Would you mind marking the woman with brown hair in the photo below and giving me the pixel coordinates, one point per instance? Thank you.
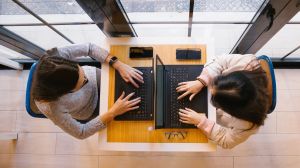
(65, 92)
(238, 87)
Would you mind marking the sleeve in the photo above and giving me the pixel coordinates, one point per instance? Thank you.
(70, 125)
(221, 63)
(79, 50)
(228, 138)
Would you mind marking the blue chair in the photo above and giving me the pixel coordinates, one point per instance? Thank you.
(31, 108)
(269, 69)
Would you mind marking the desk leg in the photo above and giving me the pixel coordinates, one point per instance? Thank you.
(8, 136)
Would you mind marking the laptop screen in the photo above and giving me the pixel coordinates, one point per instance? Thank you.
(159, 95)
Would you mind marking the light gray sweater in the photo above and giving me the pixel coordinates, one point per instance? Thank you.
(81, 104)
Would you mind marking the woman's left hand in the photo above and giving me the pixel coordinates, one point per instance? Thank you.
(190, 116)
(129, 74)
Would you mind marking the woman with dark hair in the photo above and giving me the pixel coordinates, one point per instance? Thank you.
(238, 87)
(65, 92)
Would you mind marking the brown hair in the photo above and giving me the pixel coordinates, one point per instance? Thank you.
(242, 94)
(54, 77)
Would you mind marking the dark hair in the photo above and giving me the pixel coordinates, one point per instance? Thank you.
(242, 94)
(54, 77)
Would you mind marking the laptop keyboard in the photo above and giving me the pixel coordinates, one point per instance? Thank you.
(176, 75)
(144, 112)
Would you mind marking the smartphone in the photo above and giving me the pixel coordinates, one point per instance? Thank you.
(188, 53)
(140, 52)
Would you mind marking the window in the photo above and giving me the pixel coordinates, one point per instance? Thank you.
(66, 16)
(83, 33)
(161, 30)
(284, 41)
(11, 54)
(226, 11)
(58, 11)
(11, 13)
(222, 20)
(156, 10)
(42, 36)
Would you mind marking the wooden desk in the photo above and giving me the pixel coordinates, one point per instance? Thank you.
(140, 135)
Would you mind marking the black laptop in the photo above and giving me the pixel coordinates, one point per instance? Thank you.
(145, 91)
(166, 104)
(158, 94)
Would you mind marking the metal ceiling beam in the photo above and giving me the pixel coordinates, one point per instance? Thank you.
(28, 62)
(52, 24)
(109, 16)
(19, 44)
(288, 63)
(291, 52)
(191, 12)
(7, 62)
(273, 17)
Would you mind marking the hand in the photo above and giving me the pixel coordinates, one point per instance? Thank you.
(123, 105)
(190, 116)
(189, 87)
(128, 73)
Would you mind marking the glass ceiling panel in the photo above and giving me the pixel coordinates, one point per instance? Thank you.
(40, 35)
(10, 54)
(156, 10)
(283, 42)
(83, 33)
(58, 11)
(296, 54)
(225, 10)
(225, 35)
(296, 18)
(11, 13)
(161, 30)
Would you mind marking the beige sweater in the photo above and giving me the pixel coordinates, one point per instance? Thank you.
(228, 131)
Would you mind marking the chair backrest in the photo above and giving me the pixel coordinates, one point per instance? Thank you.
(269, 69)
(28, 99)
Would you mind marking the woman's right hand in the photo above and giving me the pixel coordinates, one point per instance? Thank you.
(122, 105)
(189, 87)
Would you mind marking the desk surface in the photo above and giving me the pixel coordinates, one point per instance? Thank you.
(140, 135)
